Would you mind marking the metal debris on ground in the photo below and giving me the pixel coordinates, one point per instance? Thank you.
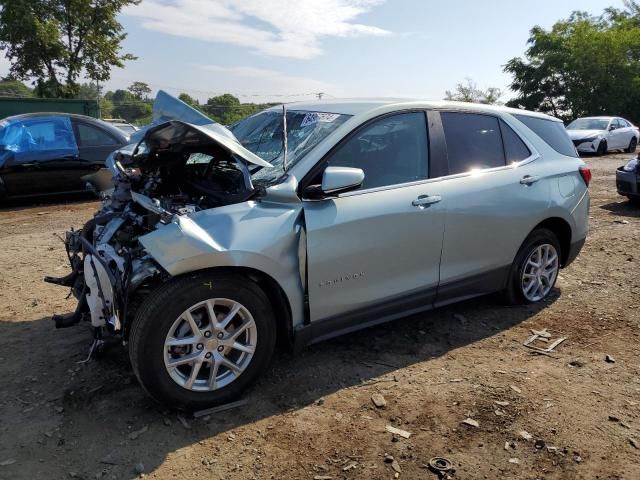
(524, 434)
(397, 431)
(137, 433)
(220, 408)
(440, 465)
(184, 422)
(542, 336)
(471, 422)
(378, 400)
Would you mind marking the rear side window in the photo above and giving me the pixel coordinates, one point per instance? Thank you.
(473, 141)
(94, 137)
(551, 132)
(514, 148)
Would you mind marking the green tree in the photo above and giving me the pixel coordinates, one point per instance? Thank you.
(469, 92)
(189, 100)
(584, 65)
(14, 88)
(53, 42)
(140, 90)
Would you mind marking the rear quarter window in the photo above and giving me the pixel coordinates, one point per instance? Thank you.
(552, 132)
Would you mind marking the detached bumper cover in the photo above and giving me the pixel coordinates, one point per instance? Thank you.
(586, 146)
(627, 183)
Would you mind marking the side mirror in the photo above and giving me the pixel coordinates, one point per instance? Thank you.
(341, 179)
(612, 128)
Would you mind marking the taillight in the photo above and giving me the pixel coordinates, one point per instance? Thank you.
(585, 172)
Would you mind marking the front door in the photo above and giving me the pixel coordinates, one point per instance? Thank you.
(380, 245)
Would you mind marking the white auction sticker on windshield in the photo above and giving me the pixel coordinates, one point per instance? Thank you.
(315, 117)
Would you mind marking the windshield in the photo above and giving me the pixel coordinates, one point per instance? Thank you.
(588, 124)
(262, 135)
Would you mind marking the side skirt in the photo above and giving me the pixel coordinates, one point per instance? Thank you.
(404, 306)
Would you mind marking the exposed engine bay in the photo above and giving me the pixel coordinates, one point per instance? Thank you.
(177, 169)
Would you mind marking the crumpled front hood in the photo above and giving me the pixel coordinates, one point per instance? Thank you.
(580, 134)
(177, 132)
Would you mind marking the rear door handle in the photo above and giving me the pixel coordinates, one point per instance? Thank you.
(529, 180)
(425, 200)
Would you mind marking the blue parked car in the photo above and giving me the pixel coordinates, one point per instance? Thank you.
(49, 153)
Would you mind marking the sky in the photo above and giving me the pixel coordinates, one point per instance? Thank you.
(288, 50)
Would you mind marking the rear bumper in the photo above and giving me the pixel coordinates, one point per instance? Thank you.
(627, 183)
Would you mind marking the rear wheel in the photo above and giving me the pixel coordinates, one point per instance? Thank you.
(535, 269)
(201, 340)
(602, 148)
(632, 145)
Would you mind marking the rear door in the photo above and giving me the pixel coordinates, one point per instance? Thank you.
(492, 192)
(376, 250)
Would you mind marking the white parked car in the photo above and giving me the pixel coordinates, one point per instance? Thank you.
(600, 135)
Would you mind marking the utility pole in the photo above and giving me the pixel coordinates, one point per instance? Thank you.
(320, 95)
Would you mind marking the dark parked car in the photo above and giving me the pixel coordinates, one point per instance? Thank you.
(47, 153)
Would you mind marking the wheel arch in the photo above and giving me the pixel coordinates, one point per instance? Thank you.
(274, 291)
(562, 230)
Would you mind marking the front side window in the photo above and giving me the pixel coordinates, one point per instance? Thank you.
(390, 151)
(90, 136)
(473, 141)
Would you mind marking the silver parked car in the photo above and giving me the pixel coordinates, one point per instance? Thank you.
(600, 135)
(215, 243)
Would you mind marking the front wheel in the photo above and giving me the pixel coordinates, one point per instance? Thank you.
(535, 269)
(200, 340)
(602, 148)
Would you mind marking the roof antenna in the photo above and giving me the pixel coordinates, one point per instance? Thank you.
(284, 137)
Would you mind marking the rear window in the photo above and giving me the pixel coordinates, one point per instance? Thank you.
(514, 148)
(551, 132)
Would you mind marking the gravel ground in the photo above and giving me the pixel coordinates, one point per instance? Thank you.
(312, 415)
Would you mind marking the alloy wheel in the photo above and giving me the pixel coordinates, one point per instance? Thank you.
(540, 272)
(210, 344)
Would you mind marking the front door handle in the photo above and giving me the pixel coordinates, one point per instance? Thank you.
(425, 200)
(529, 180)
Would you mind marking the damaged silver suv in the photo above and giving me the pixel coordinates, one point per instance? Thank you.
(296, 226)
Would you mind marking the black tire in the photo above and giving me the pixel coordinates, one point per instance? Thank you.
(513, 293)
(634, 200)
(602, 148)
(157, 314)
(632, 145)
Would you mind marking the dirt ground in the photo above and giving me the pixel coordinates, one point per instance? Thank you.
(312, 415)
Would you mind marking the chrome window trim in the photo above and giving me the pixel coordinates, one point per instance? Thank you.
(512, 166)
